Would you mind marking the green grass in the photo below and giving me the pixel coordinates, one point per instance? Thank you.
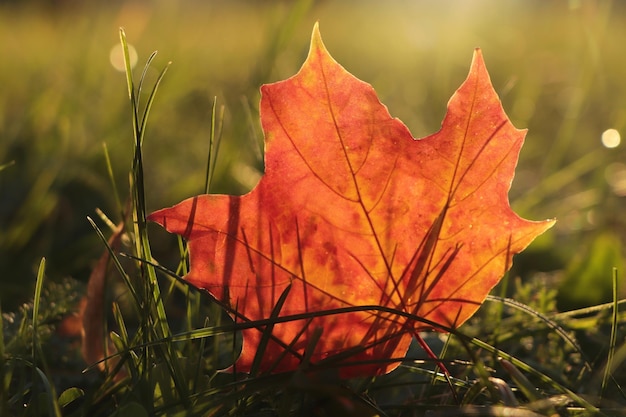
(558, 69)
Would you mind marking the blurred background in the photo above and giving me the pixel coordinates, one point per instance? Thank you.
(558, 66)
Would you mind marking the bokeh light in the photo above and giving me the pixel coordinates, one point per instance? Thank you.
(615, 175)
(611, 138)
(116, 56)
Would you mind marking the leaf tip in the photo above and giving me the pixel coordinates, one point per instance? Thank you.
(477, 59)
(316, 39)
(316, 32)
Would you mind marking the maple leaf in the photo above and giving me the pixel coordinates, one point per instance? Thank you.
(353, 211)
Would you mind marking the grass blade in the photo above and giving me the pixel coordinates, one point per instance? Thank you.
(94, 337)
(117, 263)
(144, 73)
(53, 406)
(213, 146)
(5, 166)
(146, 112)
(127, 65)
(267, 333)
(608, 369)
(116, 194)
(36, 305)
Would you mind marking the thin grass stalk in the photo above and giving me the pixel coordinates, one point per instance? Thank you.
(498, 315)
(109, 223)
(150, 100)
(121, 345)
(438, 376)
(523, 384)
(116, 194)
(217, 141)
(258, 142)
(37, 352)
(199, 359)
(608, 369)
(118, 265)
(439, 365)
(53, 405)
(182, 269)
(121, 335)
(36, 303)
(210, 164)
(6, 165)
(481, 371)
(139, 90)
(267, 333)
(586, 310)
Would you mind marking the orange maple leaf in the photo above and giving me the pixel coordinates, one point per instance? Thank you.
(353, 211)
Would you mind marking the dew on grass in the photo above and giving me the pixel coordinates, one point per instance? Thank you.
(116, 57)
(610, 138)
